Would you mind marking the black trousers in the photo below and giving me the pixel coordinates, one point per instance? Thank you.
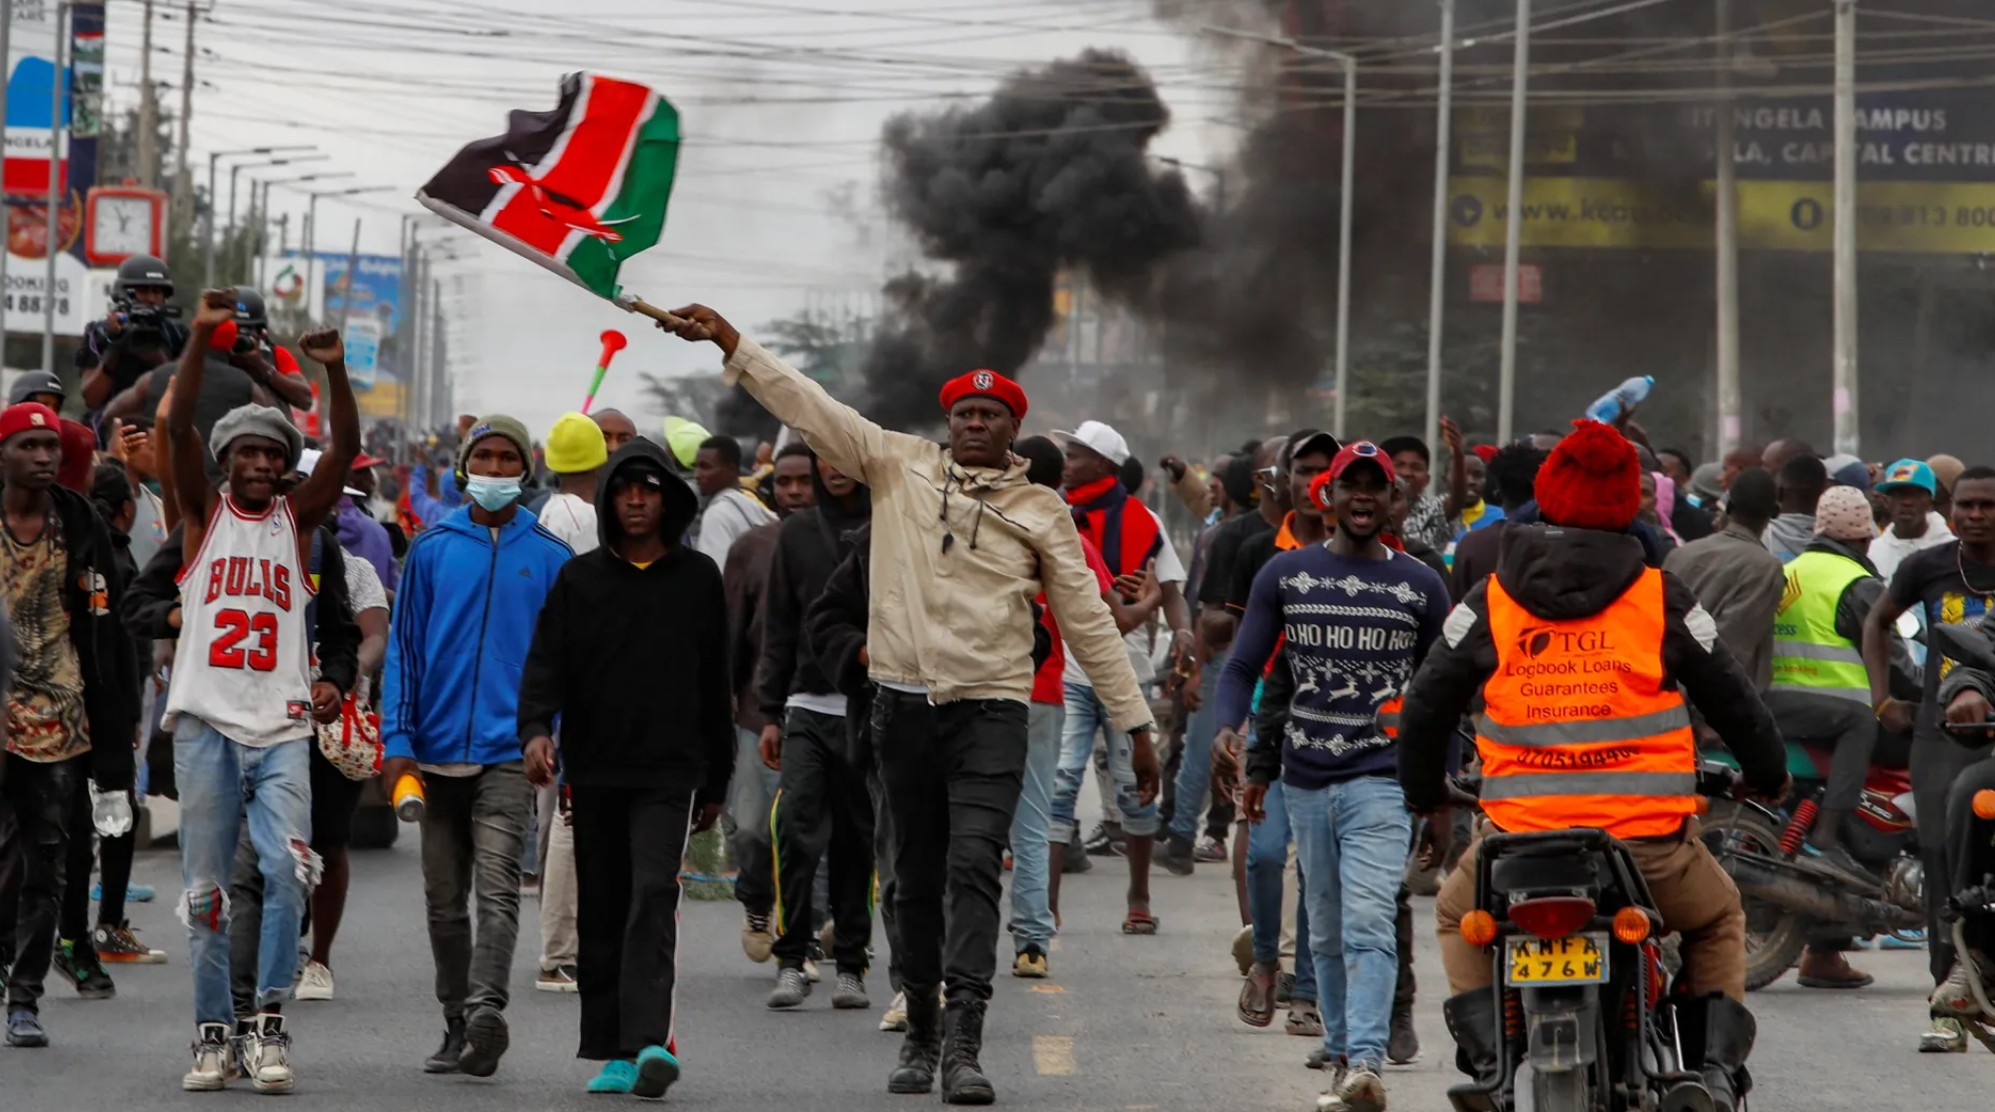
(1973, 840)
(628, 842)
(952, 774)
(823, 807)
(38, 798)
(1849, 727)
(883, 870)
(1937, 765)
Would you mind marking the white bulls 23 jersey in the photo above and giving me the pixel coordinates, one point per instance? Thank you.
(244, 659)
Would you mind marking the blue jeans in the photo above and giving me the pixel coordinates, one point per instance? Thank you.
(1031, 823)
(220, 780)
(1267, 860)
(1351, 838)
(1085, 716)
(1195, 767)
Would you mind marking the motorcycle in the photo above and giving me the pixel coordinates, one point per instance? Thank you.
(1971, 912)
(1787, 900)
(1581, 1017)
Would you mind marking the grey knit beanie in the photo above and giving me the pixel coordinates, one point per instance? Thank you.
(257, 420)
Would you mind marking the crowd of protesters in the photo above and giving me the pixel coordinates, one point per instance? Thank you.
(891, 664)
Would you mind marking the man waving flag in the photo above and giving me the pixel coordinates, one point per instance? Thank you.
(578, 189)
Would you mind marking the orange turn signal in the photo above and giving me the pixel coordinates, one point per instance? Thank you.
(1631, 925)
(1984, 804)
(1478, 928)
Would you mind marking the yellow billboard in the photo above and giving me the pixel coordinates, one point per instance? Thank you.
(1897, 216)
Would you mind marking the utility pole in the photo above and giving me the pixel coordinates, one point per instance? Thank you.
(1437, 291)
(1729, 419)
(1845, 397)
(6, 45)
(183, 185)
(148, 108)
(1513, 232)
(58, 125)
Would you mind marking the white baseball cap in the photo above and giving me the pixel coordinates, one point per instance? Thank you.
(309, 459)
(1101, 440)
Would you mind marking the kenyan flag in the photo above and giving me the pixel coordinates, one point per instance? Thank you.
(577, 190)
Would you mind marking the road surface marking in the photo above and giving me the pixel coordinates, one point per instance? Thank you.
(1053, 1055)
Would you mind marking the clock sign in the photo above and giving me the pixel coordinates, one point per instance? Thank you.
(122, 221)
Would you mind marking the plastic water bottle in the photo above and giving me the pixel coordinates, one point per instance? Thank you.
(409, 799)
(110, 813)
(1609, 407)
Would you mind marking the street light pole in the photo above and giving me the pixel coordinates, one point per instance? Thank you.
(208, 217)
(1513, 233)
(1437, 293)
(311, 234)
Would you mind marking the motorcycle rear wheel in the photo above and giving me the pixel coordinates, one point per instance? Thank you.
(1775, 937)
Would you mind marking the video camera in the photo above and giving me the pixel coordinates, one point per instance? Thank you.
(142, 318)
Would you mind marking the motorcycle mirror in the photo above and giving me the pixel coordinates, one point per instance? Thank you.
(1966, 644)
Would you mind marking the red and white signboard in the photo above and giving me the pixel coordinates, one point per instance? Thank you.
(1486, 283)
(32, 136)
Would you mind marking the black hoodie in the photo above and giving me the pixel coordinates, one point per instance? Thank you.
(633, 661)
(809, 546)
(1560, 575)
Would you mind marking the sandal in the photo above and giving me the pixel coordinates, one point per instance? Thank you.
(1140, 921)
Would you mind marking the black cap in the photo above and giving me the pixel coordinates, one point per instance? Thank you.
(638, 470)
(1309, 441)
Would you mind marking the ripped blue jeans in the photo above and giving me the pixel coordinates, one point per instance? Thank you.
(220, 782)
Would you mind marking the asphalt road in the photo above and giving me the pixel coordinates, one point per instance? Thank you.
(1124, 1025)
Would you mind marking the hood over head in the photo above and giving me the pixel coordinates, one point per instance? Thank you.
(832, 510)
(1560, 574)
(681, 503)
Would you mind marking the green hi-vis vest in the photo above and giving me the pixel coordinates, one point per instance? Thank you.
(1808, 653)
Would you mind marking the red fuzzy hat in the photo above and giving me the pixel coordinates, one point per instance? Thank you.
(1592, 480)
(984, 384)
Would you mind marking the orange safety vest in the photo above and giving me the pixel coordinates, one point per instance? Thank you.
(1579, 726)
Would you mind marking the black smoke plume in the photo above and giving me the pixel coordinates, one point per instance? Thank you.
(1050, 173)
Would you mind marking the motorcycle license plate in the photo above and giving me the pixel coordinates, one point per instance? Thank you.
(1577, 959)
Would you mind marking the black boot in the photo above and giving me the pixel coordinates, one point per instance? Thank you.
(1729, 1031)
(1471, 1020)
(963, 1080)
(921, 1047)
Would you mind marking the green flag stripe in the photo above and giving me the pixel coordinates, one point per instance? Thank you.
(645, 190)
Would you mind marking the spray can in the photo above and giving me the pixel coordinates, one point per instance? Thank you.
(1609, 407)
(408, 797)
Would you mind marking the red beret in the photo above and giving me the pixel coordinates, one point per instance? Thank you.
(984, 384)
(26, 417)
(79, 452)
(1485, 452)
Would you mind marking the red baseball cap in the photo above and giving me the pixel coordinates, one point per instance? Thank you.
(363, 460)
(1362, 451)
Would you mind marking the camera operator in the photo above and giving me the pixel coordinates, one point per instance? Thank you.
(137, 335)
(238, 370)
(269, 366)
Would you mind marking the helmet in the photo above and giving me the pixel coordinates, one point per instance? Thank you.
(250, 312)
(143, 272)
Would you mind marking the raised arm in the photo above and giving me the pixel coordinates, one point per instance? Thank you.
(320, 493)
(1458, 469)
(190, 474)
(836, 431)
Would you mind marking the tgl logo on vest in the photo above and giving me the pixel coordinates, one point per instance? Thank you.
(1533, 642)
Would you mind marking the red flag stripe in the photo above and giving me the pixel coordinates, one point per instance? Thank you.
(585, 166)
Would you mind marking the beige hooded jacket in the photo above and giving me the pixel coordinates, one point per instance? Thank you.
(955, 616)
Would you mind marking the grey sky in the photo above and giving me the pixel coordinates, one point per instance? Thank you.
(782, 100)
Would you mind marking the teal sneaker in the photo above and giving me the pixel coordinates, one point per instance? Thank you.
(656, 1071)
(616, 1078)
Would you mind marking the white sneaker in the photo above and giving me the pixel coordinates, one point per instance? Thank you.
(211, 1060)
(315, 983)
(269, 1055)
(895, 1017)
